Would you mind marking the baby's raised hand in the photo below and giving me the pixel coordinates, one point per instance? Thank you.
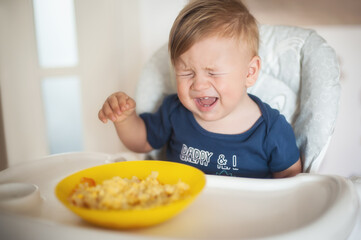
(117, 108)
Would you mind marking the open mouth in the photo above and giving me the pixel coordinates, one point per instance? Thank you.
(206, 102)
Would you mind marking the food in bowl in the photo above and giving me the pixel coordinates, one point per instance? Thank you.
(125, 194)
(169, 173)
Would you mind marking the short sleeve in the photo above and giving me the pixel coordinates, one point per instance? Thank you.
(158, 125)
(281, 145)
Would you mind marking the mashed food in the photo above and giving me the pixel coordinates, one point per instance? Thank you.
(122, 193)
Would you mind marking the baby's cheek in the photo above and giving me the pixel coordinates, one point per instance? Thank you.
(184, 98)
(182, 90)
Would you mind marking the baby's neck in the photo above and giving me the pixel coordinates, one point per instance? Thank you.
(235, 123)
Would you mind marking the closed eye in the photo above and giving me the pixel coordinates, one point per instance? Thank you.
(215, 73)
(185, 74)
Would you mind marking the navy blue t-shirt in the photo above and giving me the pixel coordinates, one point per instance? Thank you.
(268, 146)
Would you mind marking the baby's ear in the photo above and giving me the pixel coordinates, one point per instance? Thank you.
(254, 67)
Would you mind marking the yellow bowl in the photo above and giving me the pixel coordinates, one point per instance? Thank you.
(169, 173)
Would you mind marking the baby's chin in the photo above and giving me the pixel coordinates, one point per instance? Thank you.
(206, 116)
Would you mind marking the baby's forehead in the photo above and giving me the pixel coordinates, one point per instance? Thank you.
(179, 63)
(239, 45)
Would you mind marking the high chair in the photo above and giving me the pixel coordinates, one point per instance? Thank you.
(299, 76)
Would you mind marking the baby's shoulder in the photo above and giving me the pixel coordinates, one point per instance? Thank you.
(171, 104)
(269, 114)
(276, 124)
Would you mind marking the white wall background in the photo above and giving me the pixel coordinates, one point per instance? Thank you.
(156, 19)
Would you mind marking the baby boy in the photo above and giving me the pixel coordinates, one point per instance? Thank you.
(212, 123)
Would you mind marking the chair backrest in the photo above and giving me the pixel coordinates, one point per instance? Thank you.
(299, 76)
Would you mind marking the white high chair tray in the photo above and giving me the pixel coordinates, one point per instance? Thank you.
(303, 207)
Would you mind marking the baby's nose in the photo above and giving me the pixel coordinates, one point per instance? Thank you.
(200, 83)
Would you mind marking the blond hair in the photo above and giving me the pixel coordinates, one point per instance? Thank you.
(204, 18)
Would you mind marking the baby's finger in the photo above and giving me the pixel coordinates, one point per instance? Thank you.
(114, 105)
(108, 112)
(130, 103)
(102, 117)
(122, 100)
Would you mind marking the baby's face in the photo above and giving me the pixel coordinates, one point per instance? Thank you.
(213, 77)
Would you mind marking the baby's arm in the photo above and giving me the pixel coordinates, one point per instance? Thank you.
(120, 109)
(295, 169)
